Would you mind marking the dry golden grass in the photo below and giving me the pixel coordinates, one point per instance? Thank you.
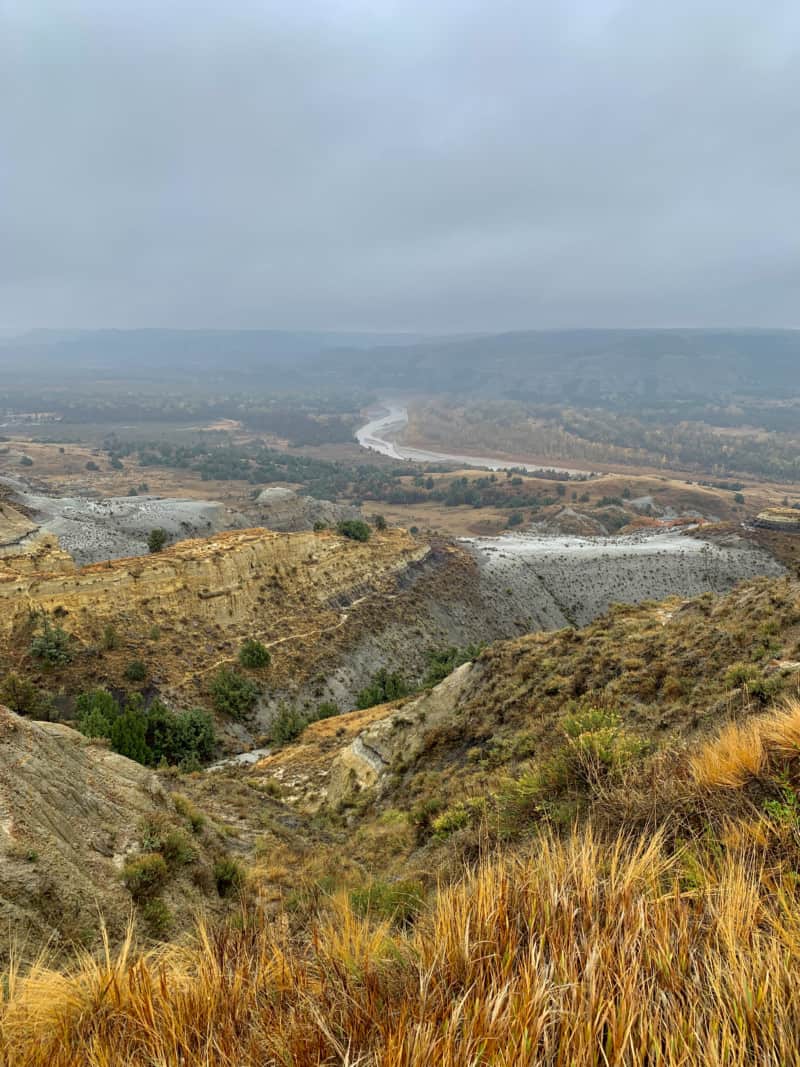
(578, 952)
(637, 950)
(743, 751)
(732, 758)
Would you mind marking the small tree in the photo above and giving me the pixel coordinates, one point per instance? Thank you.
(233, 693)
(253, 654)
(383, 688)
(128, 736)
(136, 671)
(355, 529)
(157, 539)
(23, 697)
(97, 710)
(288, 724)
(52, 644)
(379, 522)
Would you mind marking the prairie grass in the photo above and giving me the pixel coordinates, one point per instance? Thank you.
(617, 942)
(578, 951)
(757, 747)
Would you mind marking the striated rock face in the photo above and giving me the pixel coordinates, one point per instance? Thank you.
(14, 526)
(69, 812)
(307, 596)
(36, 554)
(286, 510)
(229, 578)
(787, 520)
(397, 738)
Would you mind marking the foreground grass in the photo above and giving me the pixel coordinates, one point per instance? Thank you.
(580, 949)
(583, 953)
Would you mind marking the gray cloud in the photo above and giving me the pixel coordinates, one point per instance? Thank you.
(456, 165)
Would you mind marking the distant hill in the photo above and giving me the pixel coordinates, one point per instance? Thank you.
(586, 365)
(573, 366)
(167, 353)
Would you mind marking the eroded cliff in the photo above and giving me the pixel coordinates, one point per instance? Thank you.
(321, 603)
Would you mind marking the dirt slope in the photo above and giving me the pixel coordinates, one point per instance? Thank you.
(71, 814)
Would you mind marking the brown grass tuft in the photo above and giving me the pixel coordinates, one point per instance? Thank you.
(743, 751)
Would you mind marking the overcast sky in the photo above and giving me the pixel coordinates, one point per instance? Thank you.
(439, 165)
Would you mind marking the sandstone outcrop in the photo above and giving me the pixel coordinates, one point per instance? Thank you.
(787, 520)
(14, 526)
(233, 577)
(394, 741)
(303, 595)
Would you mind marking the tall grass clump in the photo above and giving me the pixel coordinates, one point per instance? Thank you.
(579, 951)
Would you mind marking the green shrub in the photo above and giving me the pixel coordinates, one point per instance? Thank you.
(288, 724)
(158, 835)
(327, 710)
(157, 916)
(422, 817)
(253, 654)
(157, 539)
(596, 749)
(233, 693)
(177, 849)
(25, 698)
(189, 811)
(739, 674)
(180, 738)
(466, 813)
(442, 662)
(52, 644)
(229, 876)
(598, 743)
(766, 689)
(129, 735)
(355, 529)
(136, 671)
(97, 711)
(145, 875)
(383, 688)
(109, 640)
(150, 735)
(379, 522)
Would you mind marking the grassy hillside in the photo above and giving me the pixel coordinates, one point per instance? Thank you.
(588, 948)
(586, 852)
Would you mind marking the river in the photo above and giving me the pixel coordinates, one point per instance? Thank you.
(381, 432)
